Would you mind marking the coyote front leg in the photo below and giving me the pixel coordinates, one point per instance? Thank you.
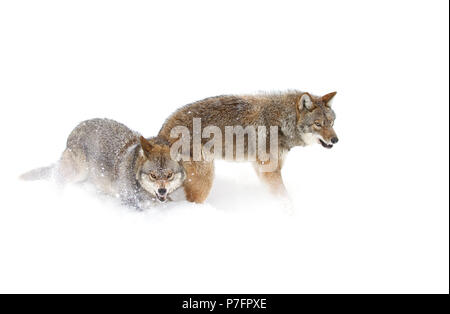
(199, 180)
(272, 179)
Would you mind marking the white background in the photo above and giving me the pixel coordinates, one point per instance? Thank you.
(371, 215)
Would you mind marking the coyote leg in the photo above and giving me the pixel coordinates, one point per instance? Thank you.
(199, 180)
(272, 179)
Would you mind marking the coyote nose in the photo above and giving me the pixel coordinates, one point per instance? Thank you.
(162, 191)
(334, 140)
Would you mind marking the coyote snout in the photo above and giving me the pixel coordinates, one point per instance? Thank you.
(327, 137)
(162, 195)
(158, 187)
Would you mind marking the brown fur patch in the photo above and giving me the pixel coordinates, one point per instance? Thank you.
(199, 180)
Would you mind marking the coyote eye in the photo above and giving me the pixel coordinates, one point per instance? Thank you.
(170, 176)
(152, 176)
(318, 124)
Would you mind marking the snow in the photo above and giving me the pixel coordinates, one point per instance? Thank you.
(240, 240)
(369, 215)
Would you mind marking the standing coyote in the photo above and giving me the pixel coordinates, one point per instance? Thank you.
(118, 161)
(300, 118)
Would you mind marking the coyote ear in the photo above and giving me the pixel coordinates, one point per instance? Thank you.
(328, 98)
(305, 102)
(146, 146)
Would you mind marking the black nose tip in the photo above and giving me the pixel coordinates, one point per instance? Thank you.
(334, 140)
(162, 191)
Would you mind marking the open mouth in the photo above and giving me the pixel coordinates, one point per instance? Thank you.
(325, 144)
(161, 198)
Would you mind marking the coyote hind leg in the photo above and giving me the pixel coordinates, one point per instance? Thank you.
(72, 167)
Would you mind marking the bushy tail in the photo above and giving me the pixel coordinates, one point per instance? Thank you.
(38, 174)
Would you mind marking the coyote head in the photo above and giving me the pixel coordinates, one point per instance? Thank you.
(315, 120)
(159, 174)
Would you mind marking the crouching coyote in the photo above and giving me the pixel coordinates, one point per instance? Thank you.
(118, 161)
